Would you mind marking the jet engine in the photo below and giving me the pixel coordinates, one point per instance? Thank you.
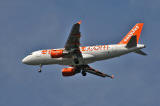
(56, 53)
(68, 71)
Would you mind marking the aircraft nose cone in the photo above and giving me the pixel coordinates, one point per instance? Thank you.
(26, 60)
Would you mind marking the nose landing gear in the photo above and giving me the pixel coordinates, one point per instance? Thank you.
(40, 70)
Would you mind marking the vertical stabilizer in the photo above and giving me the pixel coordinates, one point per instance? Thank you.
(135, 31)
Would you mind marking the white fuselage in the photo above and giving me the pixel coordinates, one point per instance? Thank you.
(90, 54)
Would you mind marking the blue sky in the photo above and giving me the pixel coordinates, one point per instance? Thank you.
(29, 25)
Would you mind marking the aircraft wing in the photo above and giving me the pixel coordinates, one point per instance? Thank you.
(90, 70)
(73, 41)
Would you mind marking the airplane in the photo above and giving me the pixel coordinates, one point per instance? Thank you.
(78, 58)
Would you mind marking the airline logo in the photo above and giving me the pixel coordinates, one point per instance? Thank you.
(95, 48)
(131, 33)
(135, 31)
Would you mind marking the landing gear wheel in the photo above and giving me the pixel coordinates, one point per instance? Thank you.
(76, 61)
(84, 73)
(39, 70)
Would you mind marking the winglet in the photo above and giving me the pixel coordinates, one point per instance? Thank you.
(79, 22)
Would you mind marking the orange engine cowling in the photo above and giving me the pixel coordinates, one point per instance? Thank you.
(56, 53)
(68, 71)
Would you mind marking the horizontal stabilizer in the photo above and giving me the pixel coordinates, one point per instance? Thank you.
(140, 52)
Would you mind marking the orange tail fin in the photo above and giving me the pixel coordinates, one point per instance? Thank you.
(135, 31)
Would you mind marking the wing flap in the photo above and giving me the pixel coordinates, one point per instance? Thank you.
(95, 72)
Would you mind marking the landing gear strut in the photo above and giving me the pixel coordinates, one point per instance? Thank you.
(40, 70)
(76, 61)
(84, 73)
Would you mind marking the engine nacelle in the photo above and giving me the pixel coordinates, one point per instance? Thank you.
(68, 71)
(56, 53)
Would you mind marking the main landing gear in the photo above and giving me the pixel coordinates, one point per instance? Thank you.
(40, 69)
(76, 61)
(84, 73)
